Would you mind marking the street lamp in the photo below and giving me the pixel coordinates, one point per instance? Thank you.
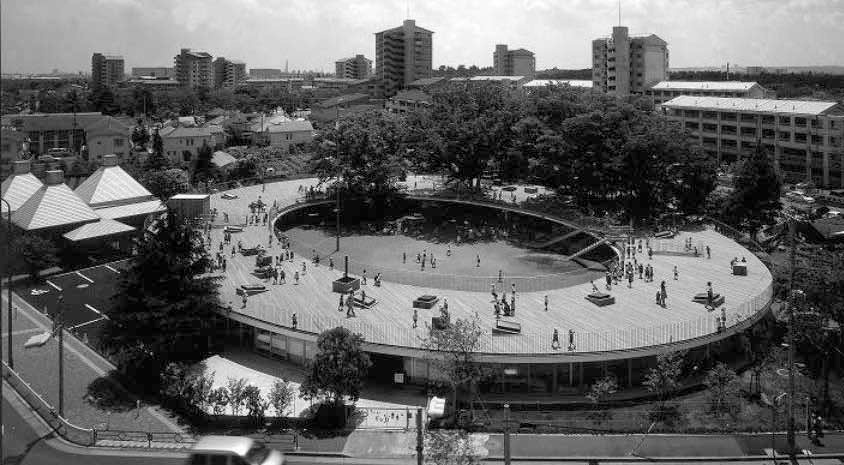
(10, 357)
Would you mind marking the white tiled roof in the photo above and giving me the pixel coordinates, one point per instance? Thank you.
(17, 189)
(497, 78)
(102, 228)
(798, 107)
(132, 209)
(558, 82)
(51, 206)
(110, 184)
(704, 85)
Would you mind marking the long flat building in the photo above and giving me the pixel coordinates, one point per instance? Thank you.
(666, 90)
(806, 138)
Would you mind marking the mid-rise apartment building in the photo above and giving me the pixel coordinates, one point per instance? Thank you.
(264, 73)
(402, 55)
(519, 62)
(666, 90)
(193, 69)
(624, 64)
(805, 138)
(229, 73)
(106, 70)
(356, 67)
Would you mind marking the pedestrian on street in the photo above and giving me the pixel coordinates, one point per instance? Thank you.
(340, 305)
(500, 276)
(404, 257)
(415, 317)
(244, 299)
(546, 303)
(296, 277)
(282, 276)
(295, 321)
(676, 273)
(492, 291)
(331, 263)
(708, 252)
(363, 277)
(555, 340)
(478, 261)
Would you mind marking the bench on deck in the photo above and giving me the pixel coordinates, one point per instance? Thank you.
(251, 289)
(426, 302)
(664, 235)
(263, 272)
(253, 251)
(702, 298)
(233, 229)
(364, 303)
(740, 269)
(600, 299)
(507, 327)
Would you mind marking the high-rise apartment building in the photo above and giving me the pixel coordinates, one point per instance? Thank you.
(356, 67)
(519, 62)
(193, 69)
(402, 55)
(264, 73)
(229, 73)
(624, 64)
(106, 70)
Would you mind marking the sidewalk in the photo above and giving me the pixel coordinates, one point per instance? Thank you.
(38, 366)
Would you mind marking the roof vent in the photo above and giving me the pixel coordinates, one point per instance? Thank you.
(21, 167)
(110, 160)
(54, 177)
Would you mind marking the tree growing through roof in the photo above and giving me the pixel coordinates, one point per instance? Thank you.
(165, 304)
(339, 368)
(452, 353)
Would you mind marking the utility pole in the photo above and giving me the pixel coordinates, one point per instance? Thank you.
(59, 323)
(791, 303)
(506, 434)
(419, 437)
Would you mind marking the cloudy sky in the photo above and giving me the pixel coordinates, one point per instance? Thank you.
(39, 35)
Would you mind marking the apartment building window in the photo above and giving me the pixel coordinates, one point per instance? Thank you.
(748, 132)
(729, 130)
(729, 144)
(800, 137)
(817, 140)
(691, 113)
(710, 142)
(692, 125)
(748, 118)
(709, 127)
(118, 142)
(768, 134)
(728, 116)
(768, 119)
(710, 115)
(785, 136)
(835, 141)
(800, 122)
(785, 120)
(818, 124)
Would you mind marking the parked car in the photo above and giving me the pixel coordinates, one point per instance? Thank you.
(233, 450)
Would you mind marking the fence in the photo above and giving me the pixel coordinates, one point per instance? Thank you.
(402, 334)
(389, 418)
(65, 429)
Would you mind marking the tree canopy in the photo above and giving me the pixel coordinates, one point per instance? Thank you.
(755, 201)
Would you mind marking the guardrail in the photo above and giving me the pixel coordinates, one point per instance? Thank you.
(64, 428)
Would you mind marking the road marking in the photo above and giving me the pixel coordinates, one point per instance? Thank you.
(54, 286)
(85, 277)
(112, 269)
(95, 311)
(88, 322)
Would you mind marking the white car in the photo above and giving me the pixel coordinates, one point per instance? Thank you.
(233, 450)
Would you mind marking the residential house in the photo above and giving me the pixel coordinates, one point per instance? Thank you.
(283, 134)
(181, 145)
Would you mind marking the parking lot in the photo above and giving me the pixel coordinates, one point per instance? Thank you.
(86, 296)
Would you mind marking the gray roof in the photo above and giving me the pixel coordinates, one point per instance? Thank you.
(102, 228)
(18, 188)
(558, 82)
(110, 185)
(221, 159)
(52, 206)
(704, 85)
(184, 132)
(133, 209)
(797, 107)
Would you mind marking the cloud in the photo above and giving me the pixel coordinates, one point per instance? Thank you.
(313, 33)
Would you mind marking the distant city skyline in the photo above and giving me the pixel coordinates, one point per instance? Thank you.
(314, 34)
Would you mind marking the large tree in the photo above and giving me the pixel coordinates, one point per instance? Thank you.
(337, 371)
(34, 252)
(469, 127)
(755, 200)
(165, 304)
(365, 152)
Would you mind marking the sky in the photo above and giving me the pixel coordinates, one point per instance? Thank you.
(41, 35)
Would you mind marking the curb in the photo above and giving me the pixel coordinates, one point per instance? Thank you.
(639, 459)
